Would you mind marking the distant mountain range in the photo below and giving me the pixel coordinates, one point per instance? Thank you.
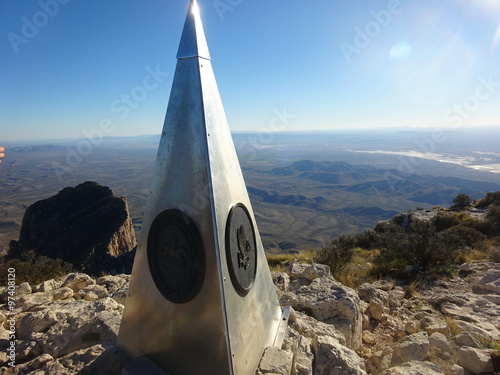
(38, 148)
(299, 200)
(343, 198)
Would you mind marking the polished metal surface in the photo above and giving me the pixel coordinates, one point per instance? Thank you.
(221, 324)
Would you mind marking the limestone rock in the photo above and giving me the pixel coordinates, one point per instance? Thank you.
(412, 348)
(276, 362)
(80, 324)
(441, 328)
(30, 301)
(304, 359)
(383, 285)
(23, 289)
(62, 293)
(281, 280)
(466, 339)
(77, 281)
(490, 281)
(300, 345)
(48, 286)
(27, 350)
(76, 361)
(329, 301)
(414, 368)
(475, 360)
(38, 321)
(121, 294)
(111, 282)
(393, 303)
(376, 308)
(438, 341)
(41, 360)
(411, 327)
(380, 360)
(457, 370)
(368, 337)
(310, 327)
(331, 358)
(478, 332)
(20, 291)
(92, 292)
(308, 271)
(4, 334)
(296, 284)
(460, 312)
(431, 324)
(368, 291)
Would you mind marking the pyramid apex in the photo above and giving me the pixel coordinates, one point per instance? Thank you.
(193, 42)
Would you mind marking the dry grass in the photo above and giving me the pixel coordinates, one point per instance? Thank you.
(491, 344)
(471, 256)
(411, 290)
(278, 262)
(359, 270)
(454, 328)
(494, 255)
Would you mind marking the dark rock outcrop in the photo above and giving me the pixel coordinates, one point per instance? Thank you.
(87, 226)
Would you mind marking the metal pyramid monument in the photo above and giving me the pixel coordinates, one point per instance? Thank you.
(201, 297)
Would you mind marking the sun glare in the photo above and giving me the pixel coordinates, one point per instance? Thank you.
(496, 38)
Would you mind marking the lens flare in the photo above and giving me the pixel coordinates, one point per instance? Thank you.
(400, 51)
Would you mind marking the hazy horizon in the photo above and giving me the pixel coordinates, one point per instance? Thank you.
(394, 129)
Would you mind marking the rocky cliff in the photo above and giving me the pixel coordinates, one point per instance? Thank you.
(68, 326)
(87, 226)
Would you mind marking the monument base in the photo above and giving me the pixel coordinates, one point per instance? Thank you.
(143, 365)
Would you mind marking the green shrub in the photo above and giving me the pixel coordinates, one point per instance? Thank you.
(366, 240)
(493, 215)
(485, 227)
(492, 198)
(445, 220)
(462, 201)
(34, 269)
(494, 255)
(461, 237)
(337, 253)
(422, 245)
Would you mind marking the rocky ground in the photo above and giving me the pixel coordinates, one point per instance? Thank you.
(445, 327)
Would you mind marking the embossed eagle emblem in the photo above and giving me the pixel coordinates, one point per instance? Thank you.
(244, 248)
(173, 258)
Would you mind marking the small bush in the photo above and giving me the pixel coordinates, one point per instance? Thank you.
(462, 201)
(447, 220)
(337, 253)
(411, 290)
(421, 245)
(493, 215)
(494, 255)
(485, 227)
(492, 198)
(35, 269)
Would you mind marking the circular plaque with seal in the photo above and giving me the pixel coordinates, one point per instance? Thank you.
(176, 256)
(241, 249)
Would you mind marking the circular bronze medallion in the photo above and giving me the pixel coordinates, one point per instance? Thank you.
(176, 256)
(241, 249)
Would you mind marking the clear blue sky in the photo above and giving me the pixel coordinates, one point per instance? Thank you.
(67, 64)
